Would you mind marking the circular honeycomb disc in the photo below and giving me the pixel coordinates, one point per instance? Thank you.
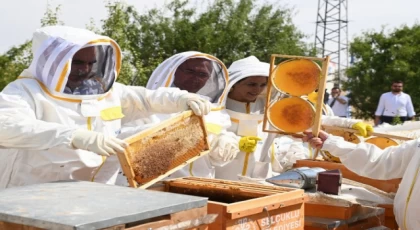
(291, 115)
(296, 77)
(381, 142)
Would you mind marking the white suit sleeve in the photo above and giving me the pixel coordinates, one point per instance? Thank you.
(410, 108)
(286, 150)
(381, 106)
(370, 161)
(19, 126)
(137, 99)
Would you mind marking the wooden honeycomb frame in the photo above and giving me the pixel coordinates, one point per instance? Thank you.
(321, 88)
(155, 153)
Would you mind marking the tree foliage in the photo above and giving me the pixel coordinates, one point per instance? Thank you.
(381, 58)
(18, 58)
(227, 29)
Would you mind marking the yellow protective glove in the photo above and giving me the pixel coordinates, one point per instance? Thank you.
(363, 128)
(248, 144)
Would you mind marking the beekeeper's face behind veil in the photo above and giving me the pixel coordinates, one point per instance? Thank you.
(74, 63)
(91, 71)
(192, 71)
(193, 74)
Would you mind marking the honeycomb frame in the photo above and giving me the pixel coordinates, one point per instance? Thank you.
(174, 143)
(271, 90)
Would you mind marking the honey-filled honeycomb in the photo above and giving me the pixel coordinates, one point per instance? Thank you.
(291, 114)
(158, 152)
(381, 142)
(296, 77)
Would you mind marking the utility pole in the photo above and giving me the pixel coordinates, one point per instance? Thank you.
(331, 37)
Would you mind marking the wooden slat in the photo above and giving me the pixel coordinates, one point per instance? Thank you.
(256, 187)
(320, 100)
(127, 168)
(271, 202)
(251, 193)
(8, 225)
(237, 183)
(297, 57)
(330, 211)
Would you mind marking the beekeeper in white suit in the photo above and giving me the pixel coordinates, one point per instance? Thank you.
(206, 76)
(367, 160)
(59, 120)
(246, 106)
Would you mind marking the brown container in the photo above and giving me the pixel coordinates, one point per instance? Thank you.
(329, 182)
(241, 205)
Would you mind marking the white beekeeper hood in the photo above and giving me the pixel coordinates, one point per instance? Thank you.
(247, 67)
(215, 87)
(53, 48)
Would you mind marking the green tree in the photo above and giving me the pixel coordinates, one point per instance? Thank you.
(381, 58)
(227, 29)
(18, 58)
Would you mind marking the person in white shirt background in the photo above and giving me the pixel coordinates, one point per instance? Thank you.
(339, 104)
(394, 104)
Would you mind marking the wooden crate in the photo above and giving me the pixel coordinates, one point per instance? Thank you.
(390, 221)
(384, 185)
(241, 205)
(155, 153)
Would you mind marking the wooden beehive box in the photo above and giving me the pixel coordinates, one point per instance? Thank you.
(390, 221)
(159, 151)
(241, 205)
(390, 186)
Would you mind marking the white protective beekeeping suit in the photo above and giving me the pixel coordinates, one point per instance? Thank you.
(247, 120)
(39, 120)
(401, 161)
(214, 90)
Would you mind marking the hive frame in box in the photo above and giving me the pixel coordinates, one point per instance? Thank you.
(320, 100)
(125, 159)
